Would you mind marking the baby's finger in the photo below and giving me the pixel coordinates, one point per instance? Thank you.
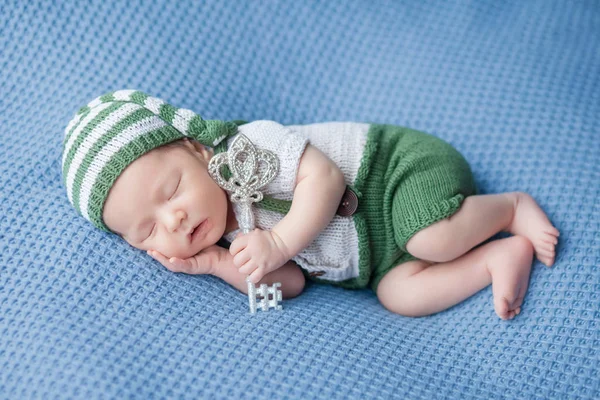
(241, 258)
(156, 255)
(247, 268)
(238, 244)
(256, 276)
(181, 265)
(163, 260)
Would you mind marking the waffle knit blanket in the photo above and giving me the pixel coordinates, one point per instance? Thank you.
(513, 85)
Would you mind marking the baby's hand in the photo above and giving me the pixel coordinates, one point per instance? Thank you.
(205, 262)
(257, 253)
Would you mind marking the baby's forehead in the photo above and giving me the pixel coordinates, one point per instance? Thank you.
(151, 162)
(162, 152)
(156, 160)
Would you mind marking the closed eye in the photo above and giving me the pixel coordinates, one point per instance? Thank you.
(175, 192)
(176, 189)
(152, 231)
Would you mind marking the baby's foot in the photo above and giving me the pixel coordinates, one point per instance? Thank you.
(509, 264)
(529, 220)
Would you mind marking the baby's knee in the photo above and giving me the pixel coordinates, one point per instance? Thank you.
(406, 304)
(399, 296)
(294, 286)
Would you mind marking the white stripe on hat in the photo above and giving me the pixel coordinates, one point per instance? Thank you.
(128, 135)
(182, 119)
(96, 102)
(123, 95)
(153, 104)
(80, 114)
(98, 132)
(75, 120)
(219, 140)
(88, 118)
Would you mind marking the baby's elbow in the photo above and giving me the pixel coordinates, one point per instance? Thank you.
(335, 178)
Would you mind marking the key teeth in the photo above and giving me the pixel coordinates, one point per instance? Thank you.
(265, 291)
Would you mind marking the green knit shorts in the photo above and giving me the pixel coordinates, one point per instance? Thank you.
(426, 181)
(407, 181)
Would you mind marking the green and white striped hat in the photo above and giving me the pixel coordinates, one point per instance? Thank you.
(114, 130)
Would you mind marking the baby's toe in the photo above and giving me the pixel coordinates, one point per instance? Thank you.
(546, 247)
(501, 307)
(517, 303)
(514, 308)
(546, 260)
(543, 253)
(552, 231)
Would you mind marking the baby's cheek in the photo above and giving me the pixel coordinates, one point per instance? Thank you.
(172, 248)
(132, 244)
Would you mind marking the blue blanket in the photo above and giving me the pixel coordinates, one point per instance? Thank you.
(513, 85)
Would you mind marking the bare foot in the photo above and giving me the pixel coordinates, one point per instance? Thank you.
(509, 264)
(529, 220)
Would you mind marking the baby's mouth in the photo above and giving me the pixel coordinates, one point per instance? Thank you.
(195, 231)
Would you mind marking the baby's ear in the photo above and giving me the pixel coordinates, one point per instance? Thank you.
(205, 151)
(190, 143)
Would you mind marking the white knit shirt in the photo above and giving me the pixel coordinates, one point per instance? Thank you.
(334, 252)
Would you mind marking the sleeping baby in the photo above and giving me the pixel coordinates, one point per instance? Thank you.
(354, 205)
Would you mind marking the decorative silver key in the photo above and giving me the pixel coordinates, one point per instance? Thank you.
(251, 169)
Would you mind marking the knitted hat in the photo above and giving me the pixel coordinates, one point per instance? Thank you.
(114, 130)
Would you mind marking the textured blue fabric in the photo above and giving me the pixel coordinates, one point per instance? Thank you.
(513, 85)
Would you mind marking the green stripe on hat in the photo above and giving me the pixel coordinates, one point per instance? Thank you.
(108, 97)
(139, 98)
(167, 112)
(83, 109)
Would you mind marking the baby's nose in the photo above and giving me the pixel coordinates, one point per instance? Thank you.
(175, 220)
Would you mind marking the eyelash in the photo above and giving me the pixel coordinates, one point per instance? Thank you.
(176, 189)
(174, 193)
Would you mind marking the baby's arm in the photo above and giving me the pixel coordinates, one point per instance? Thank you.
(289, 275)
(217, 261)
(320, 186)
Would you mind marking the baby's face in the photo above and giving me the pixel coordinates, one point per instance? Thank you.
(160, 198)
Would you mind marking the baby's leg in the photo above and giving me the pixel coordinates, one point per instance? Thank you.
(291, 278)
(417, 288)
(479, 218)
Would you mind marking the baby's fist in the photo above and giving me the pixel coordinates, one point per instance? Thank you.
(257, 253)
